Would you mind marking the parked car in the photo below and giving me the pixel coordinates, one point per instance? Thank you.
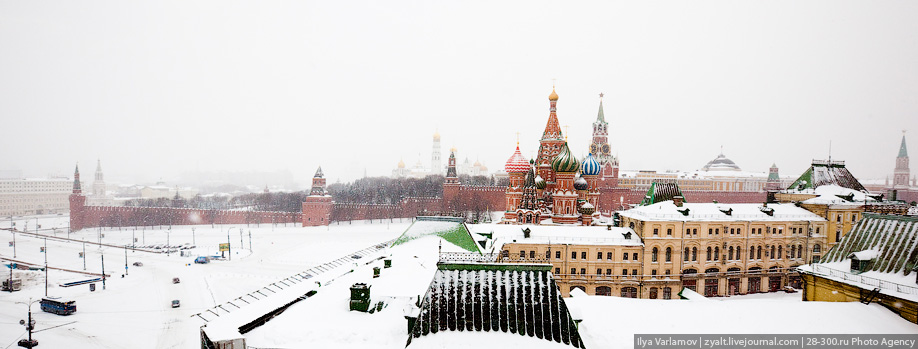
(175, 303)
(176, 280)
(138, 264)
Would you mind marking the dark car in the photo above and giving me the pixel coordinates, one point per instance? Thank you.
(175, 303)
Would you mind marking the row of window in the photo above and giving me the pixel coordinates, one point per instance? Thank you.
(583, 271)
(755, 252)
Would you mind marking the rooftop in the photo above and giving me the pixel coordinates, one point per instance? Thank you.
(668, 211)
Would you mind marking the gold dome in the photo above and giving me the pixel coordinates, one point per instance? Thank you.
(553, 96)
(436, 135)
(401, 163)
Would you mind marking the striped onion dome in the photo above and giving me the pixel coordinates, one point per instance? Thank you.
(565, 161)
(581, 184)
(517, 163)
(590, 166)
(539, 182)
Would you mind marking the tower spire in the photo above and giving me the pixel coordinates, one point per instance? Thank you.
(903, 151)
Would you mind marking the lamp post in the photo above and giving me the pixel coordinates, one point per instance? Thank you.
(84, 255)
(228, 246)
(29, 327)
(168, 232)
(125, 261)
(46, 267)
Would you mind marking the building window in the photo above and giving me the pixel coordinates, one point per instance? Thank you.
(609, 255)
(854, 218)
(656, 231)
(758, 254)
(633, 271)
(653, 272)
(710, 231)
(772, 254)
(573, 255)
(799, 251)
(793, 251)
(685, 255)
(522, 254)
(669, 254)
(751, 252)
(694, 231)
(625, 256)
(557, 254)
(732, 231)
(608, 271)
(667, 293)
(717, 231)
(557, 270)
(688, 232)
(668, 272)
(780, 252)
(583, 255)
(708, 256)
(669, 231)
(573, 271)
(653, 293)
(634, 255)
(730, 253)
(598, 272)
(531, 254)
(582, 271)
(653, 255)
(598, 255)
(816, 248)
(624, 271)
(694, 254)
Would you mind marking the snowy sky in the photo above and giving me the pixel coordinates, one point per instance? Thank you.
(154, 89)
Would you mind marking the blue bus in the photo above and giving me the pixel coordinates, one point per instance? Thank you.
(58, 306)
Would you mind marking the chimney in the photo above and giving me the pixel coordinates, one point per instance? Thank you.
(678, 200)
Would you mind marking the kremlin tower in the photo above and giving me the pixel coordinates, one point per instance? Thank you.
(77, 202)
(900, 174)
(318, 205)
(600, 149)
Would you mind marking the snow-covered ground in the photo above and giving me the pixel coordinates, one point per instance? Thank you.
(135, 311)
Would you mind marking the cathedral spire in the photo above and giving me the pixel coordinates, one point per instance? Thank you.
(76, 180)
(903, 151)
(552, 129)
(601, 116)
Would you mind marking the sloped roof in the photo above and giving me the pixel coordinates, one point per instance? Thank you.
(827, 173)
(894, 238)
(721, 163)
(661, 191)
(514, 299)
(903, 151)
(451, 229)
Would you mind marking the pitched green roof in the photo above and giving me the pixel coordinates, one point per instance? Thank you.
(903, 152)
(602, 116)
(827, 173)
(894, 238)
(451, 229)
(661, 191)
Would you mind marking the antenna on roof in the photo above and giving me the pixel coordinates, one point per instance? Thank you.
(830, 150)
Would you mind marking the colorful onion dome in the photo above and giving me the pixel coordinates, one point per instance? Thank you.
(587, 209)
(565, 161)
(590, 166)
(581, 184)
(539, 182)
(553, 96)
(517, 163)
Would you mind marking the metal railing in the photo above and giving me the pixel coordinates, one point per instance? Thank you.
(866, 280)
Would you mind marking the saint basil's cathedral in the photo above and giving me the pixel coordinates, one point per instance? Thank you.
(556, 187)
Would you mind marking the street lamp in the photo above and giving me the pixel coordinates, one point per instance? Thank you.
(228, 246)
(30, 325)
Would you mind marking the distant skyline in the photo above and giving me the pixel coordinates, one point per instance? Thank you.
(158, 90)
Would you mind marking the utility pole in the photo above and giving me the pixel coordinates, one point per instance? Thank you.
(250, 239)
(84, 255)
(103, 271)
(46, 271)
(167, 240)
(241, 244)
(14, 242)
(125, 261)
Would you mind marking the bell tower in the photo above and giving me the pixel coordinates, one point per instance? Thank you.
(901, 173)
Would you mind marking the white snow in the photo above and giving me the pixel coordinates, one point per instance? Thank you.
(611, 322)
(539, 234)
(667, 210)
(828, 194)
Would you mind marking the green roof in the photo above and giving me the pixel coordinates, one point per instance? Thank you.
(451, 229)
(894, 238)
(602, 116)
(903, 152)
(661, 191)
(827, 173)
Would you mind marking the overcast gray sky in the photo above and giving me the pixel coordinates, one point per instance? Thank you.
(157, 88)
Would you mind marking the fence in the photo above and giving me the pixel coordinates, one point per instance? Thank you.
(869, 281)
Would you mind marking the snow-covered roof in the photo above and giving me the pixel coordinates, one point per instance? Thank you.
(891, 241)
(833, 195)
(668, 211)
(554, 234)
(864, 255)
(612, 322)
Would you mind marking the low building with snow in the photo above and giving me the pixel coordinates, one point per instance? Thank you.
(876, 262)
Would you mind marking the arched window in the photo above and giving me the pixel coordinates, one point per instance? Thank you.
(799, 251)
(669, 254)
(751, 252)
(738, 253)
(653, 255)
(716, 253)
(667, 293)
(708, 256)
(817, 248)
(629, 292)
(780, 252)
(653, 293)
(730, 253)
(793, 251)
(694, 254)
(772, 254)
(580, 287)
(758, 254)
(603, 291)
(685, 255)
(631, 225)
(505, 254)
(688, 232)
